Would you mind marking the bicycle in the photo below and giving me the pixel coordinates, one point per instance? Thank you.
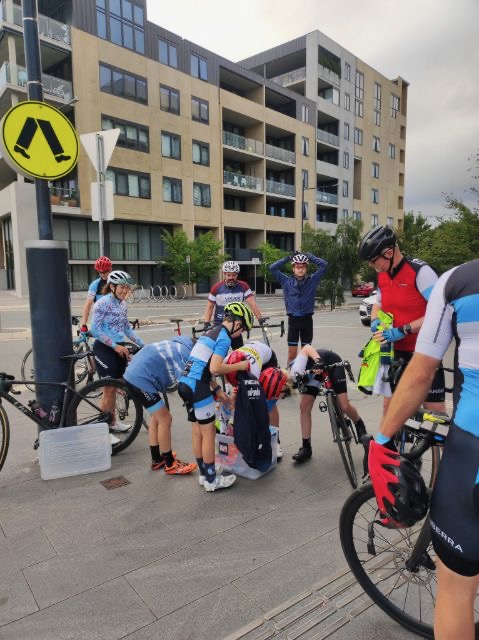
(396, 567)
(341, 428)
(266, 330)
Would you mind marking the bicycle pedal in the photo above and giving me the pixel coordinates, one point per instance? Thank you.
(322, 406)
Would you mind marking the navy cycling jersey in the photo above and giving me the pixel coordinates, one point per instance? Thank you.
(214, 342)
(299, 295)
(221, 295)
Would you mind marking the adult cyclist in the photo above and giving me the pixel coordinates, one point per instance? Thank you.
(97, 289)
(452, 312)
(404, 287)
(230, 289)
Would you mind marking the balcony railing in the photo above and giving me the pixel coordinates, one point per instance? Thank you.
(244, 144)
(239, 180)
(280, 154)
(286, 79)
(12, 14)
(280, 188)
(325, 136)
(327, 74)
(16, 75)
(243, 255)
(322, 197)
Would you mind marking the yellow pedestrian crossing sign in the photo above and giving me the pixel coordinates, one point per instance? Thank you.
(38, 141)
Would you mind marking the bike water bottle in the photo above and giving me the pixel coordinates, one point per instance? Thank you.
(37, 409)
(54, 416)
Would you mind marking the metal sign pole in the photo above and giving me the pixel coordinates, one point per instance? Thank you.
(100, 176)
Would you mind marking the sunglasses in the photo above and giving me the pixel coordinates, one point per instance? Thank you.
(104, 273)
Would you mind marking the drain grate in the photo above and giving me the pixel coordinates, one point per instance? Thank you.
(114, 483)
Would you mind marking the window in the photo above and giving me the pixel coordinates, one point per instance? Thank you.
(129, 183)
(377, 118)
(330, 94)
(201, 195)
(345, 189)
(346, 130)
(376, 144)
(377, 95)
(392, 151)
(172, 190)
(170, 145)
(305, 178)
(347, 71)
(201, 153)
(122, 25)
(359, 85)
(199, 66)
(123, 84)
(358, 108)
(169, 100)
(347, 102)
(305, 146)
(375, 196)
(394, 105)
(374, 219)
(345, 215)
(345, 159)
(304, 113)
(168, 53)
(305, 210)
(390, 222)
(200, 110)
(375, 170)
(132, 136)
(101, 19)
(358, 136)
(356, 215)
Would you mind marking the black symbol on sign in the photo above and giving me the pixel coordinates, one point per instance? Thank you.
(28, 133)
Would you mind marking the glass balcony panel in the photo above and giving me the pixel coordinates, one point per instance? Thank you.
(239, 180)
(325, 136)
(280, 154)
(51, 86)
(48, 27)
(245, 144)
(280, 188)
(326, 73)
(290, 77)
(322, 197)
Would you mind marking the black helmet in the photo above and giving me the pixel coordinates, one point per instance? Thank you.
(375, 241)
(411, 497)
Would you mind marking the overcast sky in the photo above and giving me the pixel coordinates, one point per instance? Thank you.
(433, 44)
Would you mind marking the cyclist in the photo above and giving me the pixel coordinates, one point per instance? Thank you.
(404, 287)
(311, 358)
(198, 389)
(299, 291)
(111, 329)
(452, 312)
(97, 289)
(230, 289)
(154, 370)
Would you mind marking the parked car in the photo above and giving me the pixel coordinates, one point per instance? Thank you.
(365, 309)
(362, 290)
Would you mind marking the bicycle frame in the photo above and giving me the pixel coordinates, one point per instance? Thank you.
(27, 412)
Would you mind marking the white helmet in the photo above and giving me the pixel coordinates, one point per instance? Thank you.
(231, 267)
(300, 258)
(119, 277)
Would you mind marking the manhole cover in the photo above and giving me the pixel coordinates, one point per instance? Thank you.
(114, 483)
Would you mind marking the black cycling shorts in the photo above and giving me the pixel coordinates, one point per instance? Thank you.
(437, 391)
(454, 518)
(300, 329)
(109, 364)
(199, 402)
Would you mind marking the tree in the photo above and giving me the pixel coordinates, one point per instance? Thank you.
(205, 258)
(414, 234)
(269, 254)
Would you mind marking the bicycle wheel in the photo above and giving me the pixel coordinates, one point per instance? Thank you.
(428, 463)
(4, 436)
(342, 437)
(26, 369)
(81, 366)
(86, 407)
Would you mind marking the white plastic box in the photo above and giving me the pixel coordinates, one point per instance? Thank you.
(228, 455)
(73, 451)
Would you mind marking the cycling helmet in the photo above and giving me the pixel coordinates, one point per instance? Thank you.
(231, 267)
(239, 311)
(375, 241)
(119, 277)
(233, 358)
(103, 264)
(300, 258)
(411, 497)
(273, 380)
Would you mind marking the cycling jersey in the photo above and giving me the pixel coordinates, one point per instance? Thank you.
(404, 292)
(110, 322)
(337, 375)
(258, 355)
(95, 288)
(214, 342)
(221, 295)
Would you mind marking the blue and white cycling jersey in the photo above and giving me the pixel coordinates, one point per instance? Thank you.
(93, 289)
(110, 322)
(214, 342)
(159, 365)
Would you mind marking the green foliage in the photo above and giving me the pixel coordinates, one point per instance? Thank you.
(203, 251)
(414, 234)
(269, 254)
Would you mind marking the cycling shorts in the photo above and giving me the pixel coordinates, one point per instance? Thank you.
(151, 401)
(109, 364)
(300, 329)
(437, 391)
(199, 401)
(454, 518)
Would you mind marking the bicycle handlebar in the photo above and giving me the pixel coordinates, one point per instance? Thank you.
(326, 367)
(270, 326)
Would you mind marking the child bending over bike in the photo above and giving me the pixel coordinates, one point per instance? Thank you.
(311, 358)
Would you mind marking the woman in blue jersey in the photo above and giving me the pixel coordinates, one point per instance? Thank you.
(111, 329)
(154, 370)
(97, 289)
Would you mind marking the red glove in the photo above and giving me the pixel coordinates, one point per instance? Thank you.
(379, 459)
(84, 328)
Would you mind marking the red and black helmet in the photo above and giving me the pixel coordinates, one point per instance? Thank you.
(273, 380)
(233, 358)
(103, 264)
(411, 499)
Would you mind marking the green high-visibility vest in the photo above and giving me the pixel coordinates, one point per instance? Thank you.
(372, 355)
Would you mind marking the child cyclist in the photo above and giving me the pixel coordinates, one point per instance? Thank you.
(198, 389)
(154, 370)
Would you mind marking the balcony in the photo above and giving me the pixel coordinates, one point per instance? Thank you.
(64, 197)
(280, 188)
(243, 144)
(327, 74)
(325, 136)
(284, 155)
(290, 78)
(242, 181)
(11, 14)
(326, 198)
(17, 76)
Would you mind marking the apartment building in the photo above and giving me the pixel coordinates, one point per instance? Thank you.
(360, 119)
(205, 144)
